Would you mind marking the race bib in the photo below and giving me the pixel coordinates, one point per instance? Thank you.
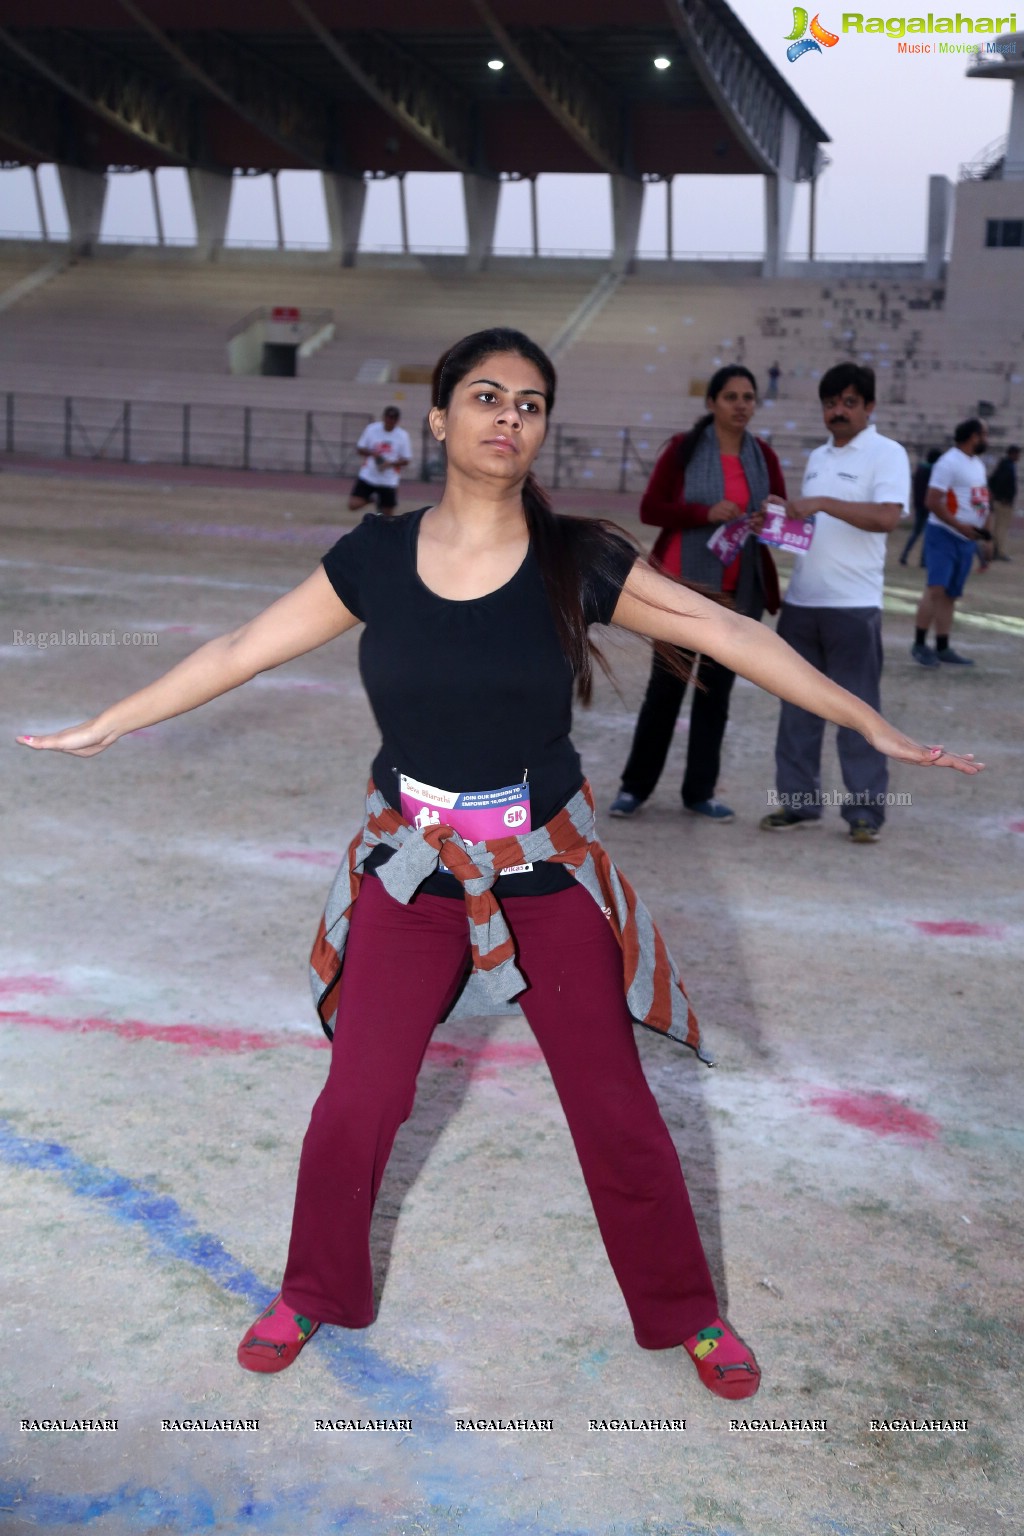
(728, 539)
(477, 815)
(782, 532)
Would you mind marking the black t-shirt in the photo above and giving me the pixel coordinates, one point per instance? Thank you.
(469, 695)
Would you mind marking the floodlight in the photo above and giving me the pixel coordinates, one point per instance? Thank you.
(661, 62)
(495, 64)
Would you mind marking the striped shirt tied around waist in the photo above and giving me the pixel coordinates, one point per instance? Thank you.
(654, 991)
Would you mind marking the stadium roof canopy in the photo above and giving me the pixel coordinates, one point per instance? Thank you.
(349, 88)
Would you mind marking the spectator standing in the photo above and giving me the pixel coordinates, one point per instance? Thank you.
(774, 375)
(958, 523)
(919, 496)
(1002, 490)
(385, 450)
(856, 487)
(713, 474)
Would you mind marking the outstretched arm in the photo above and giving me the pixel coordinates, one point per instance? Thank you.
(302, 620)
(651, 605)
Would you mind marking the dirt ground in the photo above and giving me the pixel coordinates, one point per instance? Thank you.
(854, 1156)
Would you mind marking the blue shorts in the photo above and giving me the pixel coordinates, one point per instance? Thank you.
(948, 558)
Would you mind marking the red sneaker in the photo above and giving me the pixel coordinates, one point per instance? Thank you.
(275, 1338)
(724, 1363)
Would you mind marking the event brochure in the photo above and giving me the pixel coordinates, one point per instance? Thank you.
(476, 815)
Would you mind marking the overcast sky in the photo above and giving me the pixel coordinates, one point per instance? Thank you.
(894, 120)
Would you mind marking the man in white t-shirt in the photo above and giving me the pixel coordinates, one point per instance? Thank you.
(385, 450)
(856, 487)
(959, 520)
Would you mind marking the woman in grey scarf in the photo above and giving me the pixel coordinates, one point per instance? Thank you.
(714, 474)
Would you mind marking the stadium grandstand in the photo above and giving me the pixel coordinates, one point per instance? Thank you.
(273, 359)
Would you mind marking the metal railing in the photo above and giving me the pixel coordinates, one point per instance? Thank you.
(192, 433)
(563, 253)
(278, 439)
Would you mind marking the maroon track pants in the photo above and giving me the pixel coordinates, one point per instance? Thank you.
(403, 965)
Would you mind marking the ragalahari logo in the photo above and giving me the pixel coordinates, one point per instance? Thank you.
(799, 43)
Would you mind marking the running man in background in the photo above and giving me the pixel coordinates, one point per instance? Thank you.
(385, 450)
(919, 496)
(1002, 489)
(958, 523)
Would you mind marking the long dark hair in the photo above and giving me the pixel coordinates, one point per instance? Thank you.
(716, 384)
(564, 547)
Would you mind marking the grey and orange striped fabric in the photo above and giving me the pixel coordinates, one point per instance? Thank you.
(655, 995)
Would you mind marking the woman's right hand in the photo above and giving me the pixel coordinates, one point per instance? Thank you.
(724, 512)
(83, 740)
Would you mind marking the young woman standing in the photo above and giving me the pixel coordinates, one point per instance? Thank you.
(475, 615)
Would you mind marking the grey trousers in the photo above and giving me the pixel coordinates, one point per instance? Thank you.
(845, 644)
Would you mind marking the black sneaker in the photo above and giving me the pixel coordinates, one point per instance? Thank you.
(924, 655)
(786, 821)
(864, 831)
(951, 658)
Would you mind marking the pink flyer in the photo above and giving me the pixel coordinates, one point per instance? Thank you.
(793, 533)
(728, 539)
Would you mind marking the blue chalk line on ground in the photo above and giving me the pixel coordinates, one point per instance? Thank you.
(173, 1234)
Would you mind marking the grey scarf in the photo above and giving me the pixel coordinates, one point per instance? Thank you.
(705, 483)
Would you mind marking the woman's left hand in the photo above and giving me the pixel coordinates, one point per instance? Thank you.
(894, 744)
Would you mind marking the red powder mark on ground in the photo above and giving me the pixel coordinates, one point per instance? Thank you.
(1017, 826)
(482, 1057)
(23, 986)
(879, 1113)
(959, 930)
(198, 1039)
(309, 856)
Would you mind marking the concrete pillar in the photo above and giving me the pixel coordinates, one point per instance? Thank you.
(940, 206)
(1013, 165)
(779, 196)
(157, 211)
(345, 197)
(85, 192)
(627, 206)
(211, 203)
(278, 220)
(481, 195)
(403, 213)
(40, 205)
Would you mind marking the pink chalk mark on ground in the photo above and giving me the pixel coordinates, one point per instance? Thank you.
(322, 856)
(30, 986)
(880, 1113)
(958, 930)
(483, 1057)
(1016, 826)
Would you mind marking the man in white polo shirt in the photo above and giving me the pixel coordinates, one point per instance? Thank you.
(958, 524)
(856, 487)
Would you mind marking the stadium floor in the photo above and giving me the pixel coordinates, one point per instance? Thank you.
(854, 1157)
